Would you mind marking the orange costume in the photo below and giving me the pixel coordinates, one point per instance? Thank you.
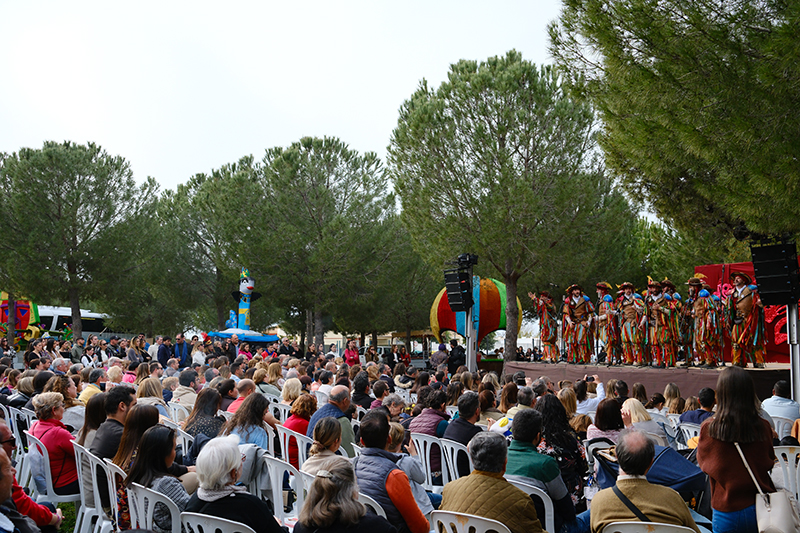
(746, 322)
(577, 312)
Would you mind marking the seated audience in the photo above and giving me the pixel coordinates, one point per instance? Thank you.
(508, 397)
(204, 418)
(244, 388)
(635, 416)
(707, 398)
(57, 439)
(186, 394)
(463, 428)
(381, 390)
(219, 467)
(96, 377)
(525, 461)
(74, 411)
(248, 422)
(525, 398)
(150, 469)
(327, 437)
(151, 393)
(781, 403)
(485, 492)
(302, 410)
(227, 390)
(291, 391)
(337, 406)
(380, 478)
(395, 404)
(412, 466)
(635, 453)
(489, 410)
(433, 421)
(579, 423)
(361, 395)
(607, 421)
(332, 504)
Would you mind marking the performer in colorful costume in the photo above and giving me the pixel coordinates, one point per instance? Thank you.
(746, 322)
(676, 306)
(607, 326)
(548, 325)
(630, 309)
(577, 319)
(687, 321)
(706, 320)
(658, 314)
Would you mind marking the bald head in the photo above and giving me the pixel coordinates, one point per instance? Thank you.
(340, 397)
(635, 452)
(6, 436)
(245, 387)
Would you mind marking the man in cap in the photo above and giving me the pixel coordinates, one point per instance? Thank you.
(687, 320)
(675, 303)
(746, 328)
(705, 317)
(607, 327)
(548, 325)
(577, 312)
(630, 309)
(657, 318)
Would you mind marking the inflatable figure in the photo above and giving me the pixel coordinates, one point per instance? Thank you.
(245, 296)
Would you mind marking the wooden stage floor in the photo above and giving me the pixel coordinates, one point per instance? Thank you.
(690, 380)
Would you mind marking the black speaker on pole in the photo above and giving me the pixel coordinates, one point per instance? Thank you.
(459, 289)
(777, 273)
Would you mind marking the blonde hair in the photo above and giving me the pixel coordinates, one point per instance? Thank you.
(114, 374)
(259, 375)
(150, 388)
(45, 402)
(671, 391)
(326, 432)
(169, 382)
(274, 373)
(291, 390)
(675, 405)
(333, 497)
(396, 435)
(637, 410)
(568, 400)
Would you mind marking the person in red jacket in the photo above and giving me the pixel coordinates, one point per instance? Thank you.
(39, 513)
(58, 440)
(351, 354)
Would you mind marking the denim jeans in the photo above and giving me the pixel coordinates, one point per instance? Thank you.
(743, 521)
(581, 524)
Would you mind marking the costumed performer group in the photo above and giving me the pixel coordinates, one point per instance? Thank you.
(653, 330)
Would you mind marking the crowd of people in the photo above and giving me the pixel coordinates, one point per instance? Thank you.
(515, 428)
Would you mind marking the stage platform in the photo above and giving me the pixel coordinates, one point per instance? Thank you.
(690, 380)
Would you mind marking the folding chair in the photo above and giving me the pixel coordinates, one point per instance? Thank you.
(142, 505)
(200, 523)
(425, 444)
(450, 451)
(549, 509)
(276, 469)
(177, 412)
(371, 504)
(51, 495)
(449, 522)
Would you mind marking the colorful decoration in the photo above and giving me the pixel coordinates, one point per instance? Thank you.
(27, 312)
(245, 296)
(488, 313)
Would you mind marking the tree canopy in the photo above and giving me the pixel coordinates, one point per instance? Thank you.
(698, 102)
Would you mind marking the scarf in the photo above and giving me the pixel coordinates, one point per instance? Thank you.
(214, 495)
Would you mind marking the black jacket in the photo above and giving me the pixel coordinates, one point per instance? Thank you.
(239, 507)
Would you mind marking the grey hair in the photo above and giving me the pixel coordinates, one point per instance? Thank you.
(539, 387)
(525, 396)
(393, 399)
(488, 451)
(113, 361)
(58, 361)
(635, 452)
(218, 458)
(339, 396)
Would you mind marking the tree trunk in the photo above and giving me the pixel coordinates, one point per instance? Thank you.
(374, 340)
(12, 320)
(319, 328)
(408, 339)
(309, 330)
(512, 319)
(220, 305)
(363, 338)
(75, 305)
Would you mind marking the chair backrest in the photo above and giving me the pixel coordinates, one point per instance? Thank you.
(658, 439)
(142, 504)
(51, 495)
(29, 415)
(787, 458)
(449, 522)
(281, 411)
(185, 440)
(97, 470)
(303, 444)
(321, 397)
(371, 504)
(675, 419)
(225, 414)
(272, 398)
(658, 417)
(360, 413)
(451, 410)
(412, 397)
(178, 412)
(425, 445)
(84, 464)
(591, 414)
(201, 523)
(276, 469)
(689, 431)
(450, 450)
(404, 394)
(114, 474)
(549, 510)
(356, 450)
(783, 426)
(638, 527)
(600, 443)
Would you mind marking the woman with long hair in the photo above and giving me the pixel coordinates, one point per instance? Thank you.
(508, 398)
(275, 379)
(607, 421)
(302, 409)
(332, 503)
(454, 391)
(488, 403)
(150, 468)
(142, 373)
(560, 442)
(95, 415)
(248, 422)
(635, 416)
(736, 421)
(404, 356)
(671, 391)
(656, 404)
(136, 353)
(423, 379)
(327, 438)
(150, 392)
(639, 392)
(291, 391)
(227, 390)
(74, 411)
(204, 418)
(578, 422)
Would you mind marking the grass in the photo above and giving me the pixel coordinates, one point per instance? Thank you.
(70, 512)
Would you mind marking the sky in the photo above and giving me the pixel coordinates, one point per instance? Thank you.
(179, 88)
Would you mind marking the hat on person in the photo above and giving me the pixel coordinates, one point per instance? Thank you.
(442, 347)
(667, 283)
(653, 283)
(546, 294)
(113, 338)
(627, 285)
(694, 281)
(573, 287)
(747, 279)
(604, 285)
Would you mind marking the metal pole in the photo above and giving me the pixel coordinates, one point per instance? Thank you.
(794, 348)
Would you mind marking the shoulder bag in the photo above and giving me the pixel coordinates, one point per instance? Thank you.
(775, 512)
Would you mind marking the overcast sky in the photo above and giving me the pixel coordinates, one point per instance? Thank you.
(180, 88)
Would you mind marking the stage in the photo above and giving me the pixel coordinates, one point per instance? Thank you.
(690, 380)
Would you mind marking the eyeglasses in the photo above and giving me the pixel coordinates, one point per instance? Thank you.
(12, 441)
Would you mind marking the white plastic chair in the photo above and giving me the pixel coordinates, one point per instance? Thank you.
(29, 415)
(114, 474)
(425, 444)
(638, 527)
(600, 443)
(281, 411)
(591, 415)
(371, 504)
(412, 397)
(272, 398)
(142, 504)
(658, 417)
(225, 414)
(658, 439)
(549, 509)
(451, 410)
(787, 458)
(783, 426)
(185, 440)
(12, 419)
(356, 450)
(404, 394)
(276, 468)
(87, 510)
(51, 495)
(178, 412)
(321, 397)
(99, 473)
(200, 523)
(675, 419)
(449, 522)
(303, 444)
(688, 431)
(360, 413)
(450, 451)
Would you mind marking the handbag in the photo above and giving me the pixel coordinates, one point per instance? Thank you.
(775, 511)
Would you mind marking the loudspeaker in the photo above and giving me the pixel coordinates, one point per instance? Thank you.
(777, 273)
(459, 289)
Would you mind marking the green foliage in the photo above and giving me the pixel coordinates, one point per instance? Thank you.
(72, 216)
(698, 101)
(499, 161)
